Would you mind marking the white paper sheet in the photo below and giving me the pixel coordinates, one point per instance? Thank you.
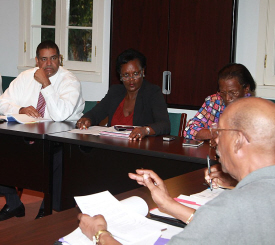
(127, 226)
(94, 130)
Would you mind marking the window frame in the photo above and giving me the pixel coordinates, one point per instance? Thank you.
(265, 52)
(84, 71)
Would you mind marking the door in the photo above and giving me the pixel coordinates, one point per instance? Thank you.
(142, 25)
(193, 39)
(199, 46)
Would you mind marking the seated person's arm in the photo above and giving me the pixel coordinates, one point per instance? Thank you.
(161, 123)
(83, 123)
(203, 134)
(62, 100)
(9, 101)
(198, 126)
(219, 178)
(30, 111)
(161, 196)
(91, 225)
(98, 112)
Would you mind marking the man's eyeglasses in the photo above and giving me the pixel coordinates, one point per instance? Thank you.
(127, 77)
(215, 131)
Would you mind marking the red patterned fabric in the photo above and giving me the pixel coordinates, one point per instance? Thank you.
(41, 104)
(119, 118)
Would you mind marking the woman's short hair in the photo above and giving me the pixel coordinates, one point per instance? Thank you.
(129, 55)
(239, 71)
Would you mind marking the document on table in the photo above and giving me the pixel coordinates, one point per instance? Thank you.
(94, 130)
(126, 226)
(23, 119)
(192, 201)
(207, 195)
(98, 130)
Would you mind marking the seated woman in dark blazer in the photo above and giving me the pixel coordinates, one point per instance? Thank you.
(135, 102)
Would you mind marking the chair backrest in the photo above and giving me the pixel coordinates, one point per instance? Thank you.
(178, 122)
(6, 82)
(89, 105)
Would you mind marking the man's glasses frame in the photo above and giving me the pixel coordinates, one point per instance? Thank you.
(215, 132)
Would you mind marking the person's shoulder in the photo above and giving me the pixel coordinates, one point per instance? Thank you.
(67, 74)
(116, 89)
(28, 72)
(150, 87)
(214, 98)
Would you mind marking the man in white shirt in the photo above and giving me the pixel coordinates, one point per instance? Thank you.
(59, 87)
(48, 91)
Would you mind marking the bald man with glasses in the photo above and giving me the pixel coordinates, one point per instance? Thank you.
(243, 215)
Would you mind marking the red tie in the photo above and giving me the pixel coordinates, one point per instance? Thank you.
(41, 104)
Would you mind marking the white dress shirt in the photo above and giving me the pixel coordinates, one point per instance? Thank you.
(63, 96)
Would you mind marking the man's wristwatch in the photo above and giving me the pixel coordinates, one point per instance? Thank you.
(97, 235)
(147, 130)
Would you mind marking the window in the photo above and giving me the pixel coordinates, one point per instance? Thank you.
(75, 25)
(269, 74)
(265, 74)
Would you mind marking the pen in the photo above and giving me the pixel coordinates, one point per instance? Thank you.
(209, 171)
(167, 220)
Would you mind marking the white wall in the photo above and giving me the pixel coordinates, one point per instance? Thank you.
(247, 34)
(247, 41)
(9, 39)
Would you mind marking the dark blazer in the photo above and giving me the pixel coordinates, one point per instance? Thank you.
(150, 108)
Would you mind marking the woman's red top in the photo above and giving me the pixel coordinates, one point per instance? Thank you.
(119, 118)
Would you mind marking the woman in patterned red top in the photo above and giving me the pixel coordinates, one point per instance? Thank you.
(235, 81)
(135, 102)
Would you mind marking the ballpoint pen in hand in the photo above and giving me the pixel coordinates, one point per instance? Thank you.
(209, 171)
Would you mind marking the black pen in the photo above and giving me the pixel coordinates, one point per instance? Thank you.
(209, 171)
(168, 220)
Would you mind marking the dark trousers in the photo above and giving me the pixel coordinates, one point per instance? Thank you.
(13, 199)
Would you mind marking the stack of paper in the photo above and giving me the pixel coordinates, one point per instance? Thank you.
(126, 226)
(114, 133)
(107, 131)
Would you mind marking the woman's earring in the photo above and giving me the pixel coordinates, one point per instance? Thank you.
(143, 75)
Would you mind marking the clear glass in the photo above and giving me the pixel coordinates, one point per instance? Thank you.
(48, 12)
(44, 12)
(81, 13)
(39, 35)
(80, 45)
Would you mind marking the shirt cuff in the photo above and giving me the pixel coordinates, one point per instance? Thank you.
(48, 91)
